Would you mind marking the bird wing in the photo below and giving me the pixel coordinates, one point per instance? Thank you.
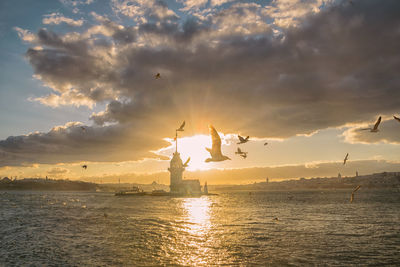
(247, 138)
(398, 119)
(181, 127)
(377, 123)
(355, 190)
(186, 162)
(216, 141)
(345, 158)
(265, 144)
(241, 139)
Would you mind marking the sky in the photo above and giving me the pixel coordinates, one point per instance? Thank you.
(77, 87)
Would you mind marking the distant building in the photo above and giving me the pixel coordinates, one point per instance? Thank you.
(6, 180)
(177, 184)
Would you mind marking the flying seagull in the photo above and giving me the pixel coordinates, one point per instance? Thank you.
(84, 166)
(352, 193)
(243, 140)
(345, 159)
(396, 118)
(181, 127)
(375, 128)
(157, 76)
(186, 162)
(240, 152)
(215, 150)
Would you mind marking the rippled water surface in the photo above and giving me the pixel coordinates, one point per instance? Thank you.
(233, 228)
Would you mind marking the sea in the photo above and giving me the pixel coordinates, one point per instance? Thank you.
(238, 228)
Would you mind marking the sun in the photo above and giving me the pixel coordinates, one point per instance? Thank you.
(193, 147)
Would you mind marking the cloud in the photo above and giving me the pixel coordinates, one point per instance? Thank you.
(76, 2)
(71, 97)
(57, 18)
(336, 67)
(58, 172)
(25, 35)
(71, 143)
(144, 10)
(388, 133)
(288, 13)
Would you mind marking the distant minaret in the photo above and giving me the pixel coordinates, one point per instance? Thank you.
(205, 189)
(356, 173)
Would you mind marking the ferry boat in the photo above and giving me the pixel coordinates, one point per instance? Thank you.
(135, 191)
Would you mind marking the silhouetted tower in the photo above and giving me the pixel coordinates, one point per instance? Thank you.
(356, 173)
(205, 188)
(176, 168)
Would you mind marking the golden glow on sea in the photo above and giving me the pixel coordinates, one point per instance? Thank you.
(197, 224)
(197, 212)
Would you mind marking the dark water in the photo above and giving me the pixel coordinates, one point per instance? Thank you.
(98, 229)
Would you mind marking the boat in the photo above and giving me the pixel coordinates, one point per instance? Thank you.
(135, 191)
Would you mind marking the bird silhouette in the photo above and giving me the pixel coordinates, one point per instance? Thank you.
(396, 118)
(180, 129)
(84, 166)
(157, 76)
(243, 140)
(352, 193)
(215, 150)
(345, 159)
(266, 143)
(240, 152)
(375, 128)
(186, 163)
(244, 156)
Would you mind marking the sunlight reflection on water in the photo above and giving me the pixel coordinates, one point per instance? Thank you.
(192, 235)
(197, 212)
(231, 229)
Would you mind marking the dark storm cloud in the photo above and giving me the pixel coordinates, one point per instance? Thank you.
(71, 143)
(336, 67)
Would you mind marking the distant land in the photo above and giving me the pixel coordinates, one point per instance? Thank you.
(41, 184)
(376, 180)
